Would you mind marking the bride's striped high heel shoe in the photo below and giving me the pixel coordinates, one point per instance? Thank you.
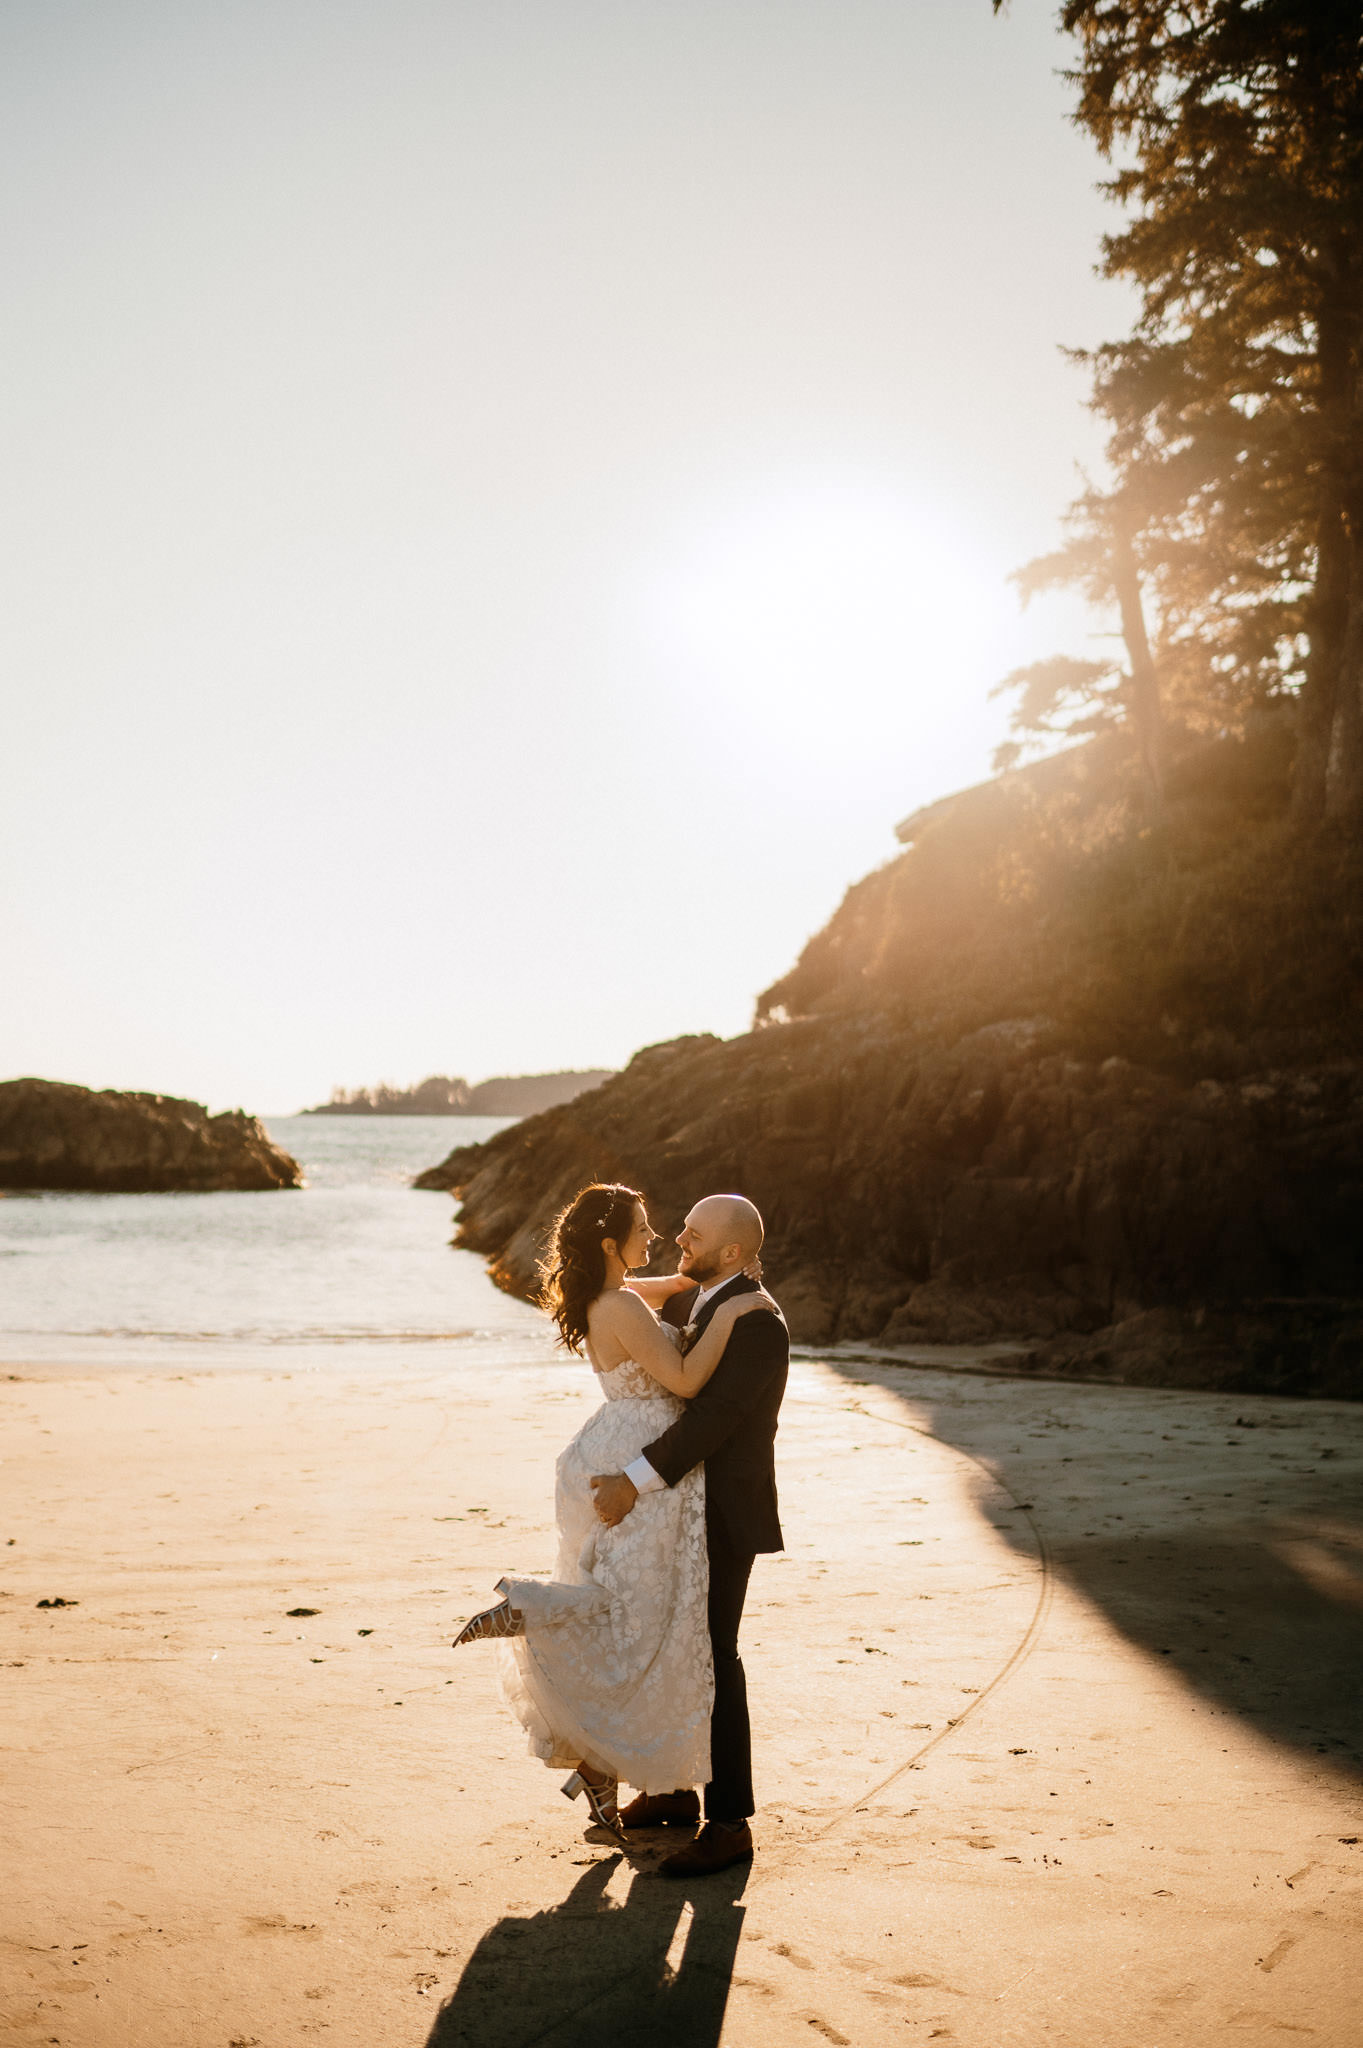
(501, 1620)
(603, 1799)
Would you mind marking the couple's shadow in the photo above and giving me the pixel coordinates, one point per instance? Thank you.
(593, 1969)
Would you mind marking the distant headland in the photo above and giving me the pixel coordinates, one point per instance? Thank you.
(447, 1095)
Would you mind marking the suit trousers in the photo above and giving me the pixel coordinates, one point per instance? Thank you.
(728, 1796)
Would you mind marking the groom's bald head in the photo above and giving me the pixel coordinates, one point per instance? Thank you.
(719, 1237)
(735, 1218)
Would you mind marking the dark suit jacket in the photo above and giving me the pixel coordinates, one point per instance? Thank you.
(730, 1426)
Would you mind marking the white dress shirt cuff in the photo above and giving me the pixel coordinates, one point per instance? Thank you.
(643, 1478)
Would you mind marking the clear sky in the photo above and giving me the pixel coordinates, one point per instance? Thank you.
(506, 502)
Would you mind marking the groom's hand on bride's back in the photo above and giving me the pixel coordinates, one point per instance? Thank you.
(615, 1496)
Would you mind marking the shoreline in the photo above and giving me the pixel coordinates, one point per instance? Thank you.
(1017, 1780)
(363, 1358)
(324, 1360)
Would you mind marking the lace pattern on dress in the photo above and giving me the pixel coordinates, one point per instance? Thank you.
(614, 1667)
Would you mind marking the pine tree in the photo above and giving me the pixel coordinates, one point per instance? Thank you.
(1235, 407)
(1077, 698)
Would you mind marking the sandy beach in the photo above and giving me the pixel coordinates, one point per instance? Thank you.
(1056, 1699)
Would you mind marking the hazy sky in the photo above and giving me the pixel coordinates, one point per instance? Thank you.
(505, 504)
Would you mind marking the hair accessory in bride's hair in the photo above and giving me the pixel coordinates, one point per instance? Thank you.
(573, 1267)
(594, 1226)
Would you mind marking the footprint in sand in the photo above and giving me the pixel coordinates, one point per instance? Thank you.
(821, 2026)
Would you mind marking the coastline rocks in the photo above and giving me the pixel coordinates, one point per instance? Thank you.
(1133, 1225)
(1311, 1346)
(55, 1135)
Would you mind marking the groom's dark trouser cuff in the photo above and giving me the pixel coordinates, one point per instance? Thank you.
(729, 1795)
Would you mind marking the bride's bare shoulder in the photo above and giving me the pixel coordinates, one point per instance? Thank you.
(618, 1309)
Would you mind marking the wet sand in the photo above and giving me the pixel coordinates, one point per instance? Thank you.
(1056, 1695)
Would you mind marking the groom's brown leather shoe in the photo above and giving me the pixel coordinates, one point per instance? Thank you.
(661, 1810)
(714, 1848)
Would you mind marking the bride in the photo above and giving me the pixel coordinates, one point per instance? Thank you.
(608, 1665)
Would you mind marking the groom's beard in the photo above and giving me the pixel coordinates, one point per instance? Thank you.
(704, 1274)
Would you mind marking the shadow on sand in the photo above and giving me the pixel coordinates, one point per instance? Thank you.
(1245, 1625)
(1260, 1612)
(594, 1969)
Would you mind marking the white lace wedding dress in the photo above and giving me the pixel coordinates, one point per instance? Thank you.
(614, 1668)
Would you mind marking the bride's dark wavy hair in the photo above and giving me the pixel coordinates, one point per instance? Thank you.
(573, 1268)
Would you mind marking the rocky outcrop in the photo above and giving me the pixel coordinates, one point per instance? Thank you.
(1216, 940)
(1069, 1070)
(1133, 1226)
(55, 1135)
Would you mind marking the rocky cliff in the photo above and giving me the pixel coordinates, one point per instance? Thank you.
(1061, 1073)
(1133, 1226)
(56, 1135)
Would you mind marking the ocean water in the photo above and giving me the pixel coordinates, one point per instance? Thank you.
(352, 1271)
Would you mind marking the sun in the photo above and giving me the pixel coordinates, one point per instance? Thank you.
(813, 611)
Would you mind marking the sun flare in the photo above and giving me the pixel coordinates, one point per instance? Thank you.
(807, 611)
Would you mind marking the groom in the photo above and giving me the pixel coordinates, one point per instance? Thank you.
(729, 1427)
